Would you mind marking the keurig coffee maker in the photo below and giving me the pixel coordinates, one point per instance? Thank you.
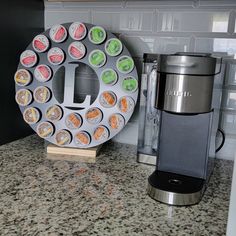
(187, 130)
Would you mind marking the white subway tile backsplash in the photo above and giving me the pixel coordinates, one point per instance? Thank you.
(136, 21)
(110, 21)
(77, 5)
(137, 45)
(52, 5)
(154, 44)
(124, 20)
(128, 135)
(228, 122)
(94, 4)
(228, 150)
(229, 99)
(231, 24)
(216, 45)
(171, 44)
(135, 116)
(217, 3)
(193, 21)
(159, 3)
(230, 74)
(64, 16)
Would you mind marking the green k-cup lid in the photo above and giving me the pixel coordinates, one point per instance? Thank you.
(109, 77)
(129, 84)
(113, 47)
(125, 64)
(97, 35)
(97, 58)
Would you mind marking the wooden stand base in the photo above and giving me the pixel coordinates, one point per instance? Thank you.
(72, 154)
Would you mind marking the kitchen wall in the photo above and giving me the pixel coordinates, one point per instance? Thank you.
(166, 27)
(15, 35)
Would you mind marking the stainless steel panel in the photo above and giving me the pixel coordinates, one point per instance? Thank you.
(177, 199)
(185, 82)
(184, 93)
(175, 189)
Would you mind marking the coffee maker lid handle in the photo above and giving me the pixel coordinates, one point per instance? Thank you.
(198, 64)
(202, 54)
(196, 54)
(171, 63)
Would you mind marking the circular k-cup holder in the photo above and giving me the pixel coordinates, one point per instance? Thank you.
(58, 113)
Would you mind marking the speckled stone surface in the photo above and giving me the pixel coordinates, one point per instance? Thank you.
(44, 197)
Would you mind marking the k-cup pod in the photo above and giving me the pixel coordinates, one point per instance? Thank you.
(125, 64)
(77, 50)
(97, 58)
(82, 139)
(28, 58)
(42, 94)
(73, 120)
(58, 33)
(63, 137)
(31, 115)
(56, 56)
(54, 113)
(129, 84)
(101, 133)
(97, 35)
(116, 121)
(22, 77)
(93, 115)
(109, 77)
(126, 104)
(77, 31)
(43, 73)
(45, 129)
(113, 47)
(107, 99)
(23, 97)
(40, 43)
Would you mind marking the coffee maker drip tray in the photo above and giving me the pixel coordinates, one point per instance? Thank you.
(175, 189)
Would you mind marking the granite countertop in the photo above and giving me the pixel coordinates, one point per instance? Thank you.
(44, 197)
